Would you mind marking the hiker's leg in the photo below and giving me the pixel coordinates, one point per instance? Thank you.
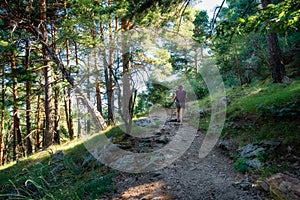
(178, 113)
(181, 115)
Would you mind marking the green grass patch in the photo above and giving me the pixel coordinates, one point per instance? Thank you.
(74, 174)
(250, 97)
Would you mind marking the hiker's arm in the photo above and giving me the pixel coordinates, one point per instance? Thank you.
(174, 98)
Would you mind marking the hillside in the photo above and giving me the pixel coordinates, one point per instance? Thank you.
(261, 112)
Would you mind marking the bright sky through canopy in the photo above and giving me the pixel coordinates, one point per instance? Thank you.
(208, 5)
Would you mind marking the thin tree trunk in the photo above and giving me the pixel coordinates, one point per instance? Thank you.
(88, 121)
(56, 135)
(6, 142)
(98, 83)
(196, 62)
(48, 136)
(38, 118)
(2, 116)
(110, 85)
(18, 148)
(276, 59)
(77, 99)
(238, 68)
(98, 96)
(57, 88)
(28, 104)
(108, 78)
(69, 107)
(78, 120)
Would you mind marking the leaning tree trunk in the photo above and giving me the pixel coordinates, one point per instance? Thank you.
(77, 88)
(276, 60)
(48, 136)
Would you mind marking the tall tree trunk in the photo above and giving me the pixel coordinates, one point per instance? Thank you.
(2, 116)
(69, 104)
(38, 118)
(56, 135)
(77, 99)
(48, 136)
(276, 59)
(98, 83)
(98, 96)
(6, 142)
(127, 92)
(110, 85)
(78, 119)
(196, 60)
(18, 148)
(108, 75)
(88, 121)
(28, 103)
(56, 88)
(238, 68)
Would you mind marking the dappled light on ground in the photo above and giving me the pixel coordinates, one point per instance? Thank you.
(145, 191)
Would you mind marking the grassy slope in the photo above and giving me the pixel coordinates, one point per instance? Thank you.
(265, 111)
(75, 174)
(262, 111)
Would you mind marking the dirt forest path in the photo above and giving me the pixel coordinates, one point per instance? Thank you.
(187, 178)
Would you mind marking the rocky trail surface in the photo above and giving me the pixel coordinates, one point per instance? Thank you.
(187, 178)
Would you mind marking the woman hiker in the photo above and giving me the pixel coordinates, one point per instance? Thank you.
(179, 99)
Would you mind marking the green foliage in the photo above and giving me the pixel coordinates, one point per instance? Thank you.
(287, 110)
(201, 29)
(240, 165)
(64, 131)
(282, 18)
(95, 187)
(269, 170)
(198, 86)
(156, 92)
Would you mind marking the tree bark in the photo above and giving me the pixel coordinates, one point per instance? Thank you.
(108, 74)
(127, 92)
(276, 59)
(57, 88)
(98, 96)
(38, 118)
(2, 116)
(77, 99)
(69, 109)
(18, 148)
(56, 136)
(98, 83)
(48, 136)
(88, 122)
(28, 103)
